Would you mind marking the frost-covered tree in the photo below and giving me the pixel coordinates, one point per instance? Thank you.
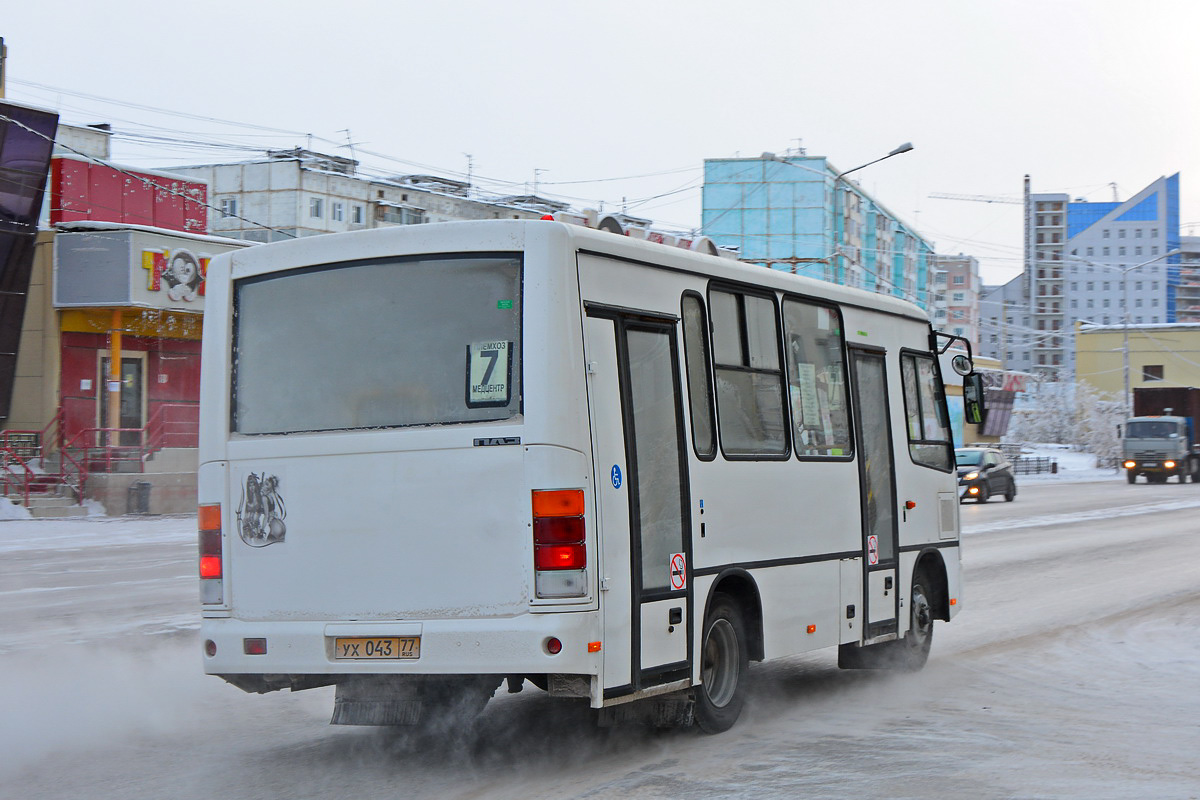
(1070, 413)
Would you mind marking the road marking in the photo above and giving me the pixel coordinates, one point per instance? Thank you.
(1049, 520)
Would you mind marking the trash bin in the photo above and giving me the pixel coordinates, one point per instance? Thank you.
(138, 501)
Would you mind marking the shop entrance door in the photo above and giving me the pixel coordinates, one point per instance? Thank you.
(132, 389)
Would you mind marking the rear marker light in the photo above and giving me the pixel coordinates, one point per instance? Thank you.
(210, 648)
(553, 646)
(812, 628)
(593, 647)
(254, 647)
(953, 601)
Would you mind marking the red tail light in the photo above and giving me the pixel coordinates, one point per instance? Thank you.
(559, 543)
(558, 530)
(208, 520)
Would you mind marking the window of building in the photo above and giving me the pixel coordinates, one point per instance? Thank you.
(356, 215)
(1152, 372)
(1091, 303)
(1106, 232)
(749, 379)
(336, 212)
(1137, 285)
(1154, 286)
(1137, 251)
(1137, 303)
(957, 297)
(1091, 251)
(316, 207)
(1137, 233)
(1106, 285)
(929, 441)
(1153, 251)
(1121, 233)
(959, 280)
(1154, 233)
(1074, 304)
(1121, 251)
(1106, 250)
(1091, 286)
(1154, 302)
(229, 207)
(1106, 301)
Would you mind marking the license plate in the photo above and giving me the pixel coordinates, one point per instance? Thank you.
(1149, 463)
(373, 647)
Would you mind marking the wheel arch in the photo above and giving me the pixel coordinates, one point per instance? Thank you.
(740, 585)
(930, 563)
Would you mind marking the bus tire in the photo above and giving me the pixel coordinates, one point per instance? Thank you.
(913, 649)
(724, 660)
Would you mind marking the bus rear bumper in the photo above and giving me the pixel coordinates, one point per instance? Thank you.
(503, 646)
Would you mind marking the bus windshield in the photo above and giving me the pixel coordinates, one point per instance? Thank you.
(380, 343)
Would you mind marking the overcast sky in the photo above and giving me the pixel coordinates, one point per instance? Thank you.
(1080, 94)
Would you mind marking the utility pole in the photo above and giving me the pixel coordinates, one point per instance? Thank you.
(3, 64)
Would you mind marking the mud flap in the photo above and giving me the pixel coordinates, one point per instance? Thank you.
(669, 711)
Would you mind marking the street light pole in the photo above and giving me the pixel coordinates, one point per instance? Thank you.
(837, 245)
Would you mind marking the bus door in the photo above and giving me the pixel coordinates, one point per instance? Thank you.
(640, 467)
(878, 495)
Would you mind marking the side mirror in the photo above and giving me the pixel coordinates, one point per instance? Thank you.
(974, 407)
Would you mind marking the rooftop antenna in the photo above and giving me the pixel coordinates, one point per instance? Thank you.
(349, 143)
(470, 167)
(536, 174)
(1116, 197)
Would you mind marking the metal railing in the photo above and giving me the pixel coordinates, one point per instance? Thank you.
(67, 464)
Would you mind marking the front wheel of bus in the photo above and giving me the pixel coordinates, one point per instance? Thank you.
(916, 643)
(723, 664)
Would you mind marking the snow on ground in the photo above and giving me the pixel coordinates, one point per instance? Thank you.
(1073, 467)
(73, 533)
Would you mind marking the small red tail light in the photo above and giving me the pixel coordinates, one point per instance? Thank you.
(553, 646)
(210, 566)
(254, 647)
(560, 556)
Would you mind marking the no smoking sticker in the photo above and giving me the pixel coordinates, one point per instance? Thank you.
(678, 571)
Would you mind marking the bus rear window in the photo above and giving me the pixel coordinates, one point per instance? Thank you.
(382, 343)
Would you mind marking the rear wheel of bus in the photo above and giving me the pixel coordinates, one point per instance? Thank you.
(723, 663)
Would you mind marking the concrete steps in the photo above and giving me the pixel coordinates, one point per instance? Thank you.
(43, 506)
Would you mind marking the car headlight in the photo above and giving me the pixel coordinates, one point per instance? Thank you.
(970, 476)
(1169, 464)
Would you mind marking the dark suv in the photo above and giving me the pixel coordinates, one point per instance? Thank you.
(983, 472)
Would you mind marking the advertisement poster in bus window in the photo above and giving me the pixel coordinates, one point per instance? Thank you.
(489, 373)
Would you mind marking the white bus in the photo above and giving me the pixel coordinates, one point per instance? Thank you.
(437, 457)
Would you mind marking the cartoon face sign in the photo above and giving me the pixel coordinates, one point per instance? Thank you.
(182, 276)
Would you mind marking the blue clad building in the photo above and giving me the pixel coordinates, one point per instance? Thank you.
(793, 213)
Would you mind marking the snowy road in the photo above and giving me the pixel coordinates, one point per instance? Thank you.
(1071, 672)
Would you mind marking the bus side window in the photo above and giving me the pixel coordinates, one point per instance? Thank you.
(929, 442)
(816, 386)
(749, 380)
(699, 378)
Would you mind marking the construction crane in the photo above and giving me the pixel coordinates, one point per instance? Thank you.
(982, 198)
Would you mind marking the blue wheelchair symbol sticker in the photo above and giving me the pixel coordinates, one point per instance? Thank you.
(616, 476)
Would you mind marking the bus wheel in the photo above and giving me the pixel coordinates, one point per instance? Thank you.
(723, 664)
(914, 647)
